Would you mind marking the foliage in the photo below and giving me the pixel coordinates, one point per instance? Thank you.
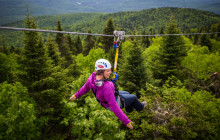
(35, 64)
(132, 74)
(89, 43)
(78, 45)
(94, 122)
(8, 68)
(173, 113)
(87, 63)
(17, 113)
(107, 41)
(172, 51)
(12, 11)
(127, 21)
(201, 62)
(52, 50)
(184, 106)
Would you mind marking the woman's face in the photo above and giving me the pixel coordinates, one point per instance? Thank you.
(107, 73)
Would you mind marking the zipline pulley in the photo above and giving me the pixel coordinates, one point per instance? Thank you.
(119, 34)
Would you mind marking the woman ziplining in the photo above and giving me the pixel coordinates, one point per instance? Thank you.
(107, 96)
(106, 91)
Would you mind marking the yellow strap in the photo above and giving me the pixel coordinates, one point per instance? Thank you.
(116, 60)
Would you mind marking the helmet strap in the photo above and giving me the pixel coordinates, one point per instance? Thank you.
(104, 77)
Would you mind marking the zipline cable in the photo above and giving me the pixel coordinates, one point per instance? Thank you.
(78, 33)
(51, 31)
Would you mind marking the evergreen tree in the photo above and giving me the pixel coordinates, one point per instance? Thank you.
(78, 45)
(52, 51)
(172, 51)
(145, 40)
(195, 39)
(108, 42)
(204, 41)
(161, 31)
(70, 44)
(132, 69)
(45, 83)
(67, 54)
(89, 43)
(4, 49)
(218, 30)
(35, 65)
(135, 33)
(59, 37)
(12, 49)
(212, 30)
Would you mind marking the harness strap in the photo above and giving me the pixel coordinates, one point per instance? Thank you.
(116, 46)
(94, 92)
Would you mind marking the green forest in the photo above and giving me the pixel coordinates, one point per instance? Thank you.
(149, 20)
(178, 76)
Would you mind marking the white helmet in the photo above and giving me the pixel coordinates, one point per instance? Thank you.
(102, 64)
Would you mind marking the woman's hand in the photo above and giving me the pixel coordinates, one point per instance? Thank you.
(129, 125)
(72, 98)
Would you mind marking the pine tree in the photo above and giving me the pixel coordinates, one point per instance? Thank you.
(70, 44)
(108, 42)
(161, 31)
(52, 51)
(212, 30)
(59, 37)
(218, 30)
(5, 49)
(204, 39)
(145, 40)
(78, 45)
(89, 43)
(45, 83)
(12, 49)
(172, 51)
(35, 65)
(67, 54)
(132, 69)
(195, 39)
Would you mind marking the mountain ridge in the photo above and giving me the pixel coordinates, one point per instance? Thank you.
(14, 10)
(96, 21)
(149, 20)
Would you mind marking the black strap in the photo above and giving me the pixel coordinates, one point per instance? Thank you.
(116, 94)
(116, 87)
(94, 92)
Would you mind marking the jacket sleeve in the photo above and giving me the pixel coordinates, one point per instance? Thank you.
(84, 89)
(110, 98)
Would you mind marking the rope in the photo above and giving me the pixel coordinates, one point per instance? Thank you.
(77, 33)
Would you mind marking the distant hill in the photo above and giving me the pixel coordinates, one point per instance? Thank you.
(154, 18)
(13, 10)
(149, 19)
(215, 7)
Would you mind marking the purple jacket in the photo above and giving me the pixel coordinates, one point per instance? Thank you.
(104, 93)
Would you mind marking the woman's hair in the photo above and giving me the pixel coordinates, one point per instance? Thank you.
(99, 72)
